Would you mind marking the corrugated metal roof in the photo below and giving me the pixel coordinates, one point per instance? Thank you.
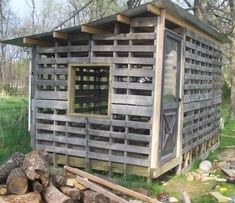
(172, 8)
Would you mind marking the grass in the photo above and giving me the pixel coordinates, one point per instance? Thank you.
(13, 126)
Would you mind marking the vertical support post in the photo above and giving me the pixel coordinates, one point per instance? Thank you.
(157, 90)
(181, 105)
(32, 105)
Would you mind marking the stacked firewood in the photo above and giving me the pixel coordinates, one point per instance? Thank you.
(25, 179)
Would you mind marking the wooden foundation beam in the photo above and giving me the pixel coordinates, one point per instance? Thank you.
(123, 19)
(60, 35)
(30, 41)
(93, 30)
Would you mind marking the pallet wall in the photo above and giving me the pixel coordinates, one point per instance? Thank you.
(119, 143)
(202, 96)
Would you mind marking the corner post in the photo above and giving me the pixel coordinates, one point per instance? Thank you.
(157, 90)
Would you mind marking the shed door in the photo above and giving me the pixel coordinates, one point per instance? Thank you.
(170, 97)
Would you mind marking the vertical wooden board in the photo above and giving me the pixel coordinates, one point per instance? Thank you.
(157, 89)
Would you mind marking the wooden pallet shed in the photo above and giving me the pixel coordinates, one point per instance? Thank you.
(137, 92)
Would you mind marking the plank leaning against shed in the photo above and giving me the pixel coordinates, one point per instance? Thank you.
(138, 92)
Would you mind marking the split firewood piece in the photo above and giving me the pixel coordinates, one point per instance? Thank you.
(99, 189)
(17, 182)
(72, 182)
(26, 198)
(36, 166)
(90, 196)
(110, 185)
(15, 161)
(73, 193)
(37, 186)
(52, 194)
(3, 190)
(186, 198)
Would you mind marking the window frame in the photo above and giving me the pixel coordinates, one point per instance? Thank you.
(71, 90)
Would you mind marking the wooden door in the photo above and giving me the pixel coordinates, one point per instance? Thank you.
(170, 97)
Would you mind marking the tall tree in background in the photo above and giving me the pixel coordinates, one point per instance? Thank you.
(220, 14)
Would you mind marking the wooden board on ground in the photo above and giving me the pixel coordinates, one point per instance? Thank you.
(220, 198)
(110, 185)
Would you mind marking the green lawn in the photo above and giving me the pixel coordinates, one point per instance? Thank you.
(13, 126)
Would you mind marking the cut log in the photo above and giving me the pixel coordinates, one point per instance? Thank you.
(99, 189)
(90, 196)
(3, 190)
(59, 180)
(37, 186)
(73, 193)
(111, 185)
(36, 166)
(17, 182)
(52, 194)
(26, 198)
(15, 161)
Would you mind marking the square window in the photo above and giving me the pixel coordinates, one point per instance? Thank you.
(89, 90)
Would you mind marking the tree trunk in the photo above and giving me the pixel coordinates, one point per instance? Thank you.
(198, 9)
(52, 194)
(73, 193)
(27, 198)
(90, 196)
(36, 166)
(17, 182)
(15, 162)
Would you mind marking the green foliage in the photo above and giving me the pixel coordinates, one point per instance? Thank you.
(13, 127)
(135, 182)
(8, 89)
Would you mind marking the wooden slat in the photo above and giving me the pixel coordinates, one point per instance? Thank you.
(127, 36)
(51, 95)
(93, 30)
(131, 110)
(143, 22)
(51, 104)
(132, 100)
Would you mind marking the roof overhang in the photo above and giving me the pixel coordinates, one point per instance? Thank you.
(174, 13)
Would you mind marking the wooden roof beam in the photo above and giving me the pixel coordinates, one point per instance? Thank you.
(60, 35)
(93, 30)
(30, 41)
(123, 19)
(154, 9)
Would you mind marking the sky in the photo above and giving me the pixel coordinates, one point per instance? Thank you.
(21, 8)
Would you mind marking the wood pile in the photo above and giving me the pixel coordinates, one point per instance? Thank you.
(25, 179)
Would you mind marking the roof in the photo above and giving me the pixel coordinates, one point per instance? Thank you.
(170, 7)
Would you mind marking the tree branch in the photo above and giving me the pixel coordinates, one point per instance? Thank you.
(74, 14)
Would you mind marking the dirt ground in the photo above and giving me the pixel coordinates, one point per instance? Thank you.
(198, 190)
